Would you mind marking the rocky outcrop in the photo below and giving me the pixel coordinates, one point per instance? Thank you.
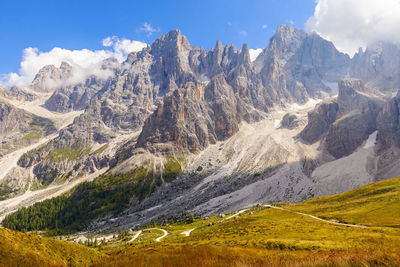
(194, 117)
(319, 121)
(345, 122)
(12, 119)
(289, 121)
(378, 66)
(297, 65)
(16, 93)
(388, 125)
(50, 77)
(19, 128)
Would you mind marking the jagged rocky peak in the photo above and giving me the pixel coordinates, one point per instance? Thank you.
(110, 64)
(49, 77)
(244, 57)
(172, 43)
(378, 66)
(16, 93)
(286, 40)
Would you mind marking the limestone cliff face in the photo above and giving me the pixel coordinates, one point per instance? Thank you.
(194, 117)
(16, 93)
(11, 119)
(296, 65)
(345, 122)
(388, 124)
(319, 121)
(378, 66)
(69, 95)
(19, 128)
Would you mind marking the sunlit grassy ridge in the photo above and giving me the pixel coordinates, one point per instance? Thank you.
(19, 249)
(269, 237)
(376, 204)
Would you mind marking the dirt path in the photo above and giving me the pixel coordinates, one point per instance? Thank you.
(317, 218)
(137, 234)
(234, 215)
(161, 237)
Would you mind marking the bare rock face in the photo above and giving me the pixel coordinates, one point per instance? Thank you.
(16, 93)
(11, 119)
(289, 121)
(378, 66)
(345, 122)
(182, 119)
(388, 124)
(319, 121)
(19, 128)
(297, 65)
(76, 96)
(195, 116)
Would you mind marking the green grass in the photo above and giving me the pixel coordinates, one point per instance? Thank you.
(172, 168)
(69, 153)
(101, 149)
(19, 249)
(265, 236)
(376, 204)
(31, 136)
(44, 125)
(274, 236)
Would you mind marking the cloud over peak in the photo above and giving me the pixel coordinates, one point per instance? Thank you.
(84, 60)
(356, 23)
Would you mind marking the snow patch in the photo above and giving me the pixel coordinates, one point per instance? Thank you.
(371, 141)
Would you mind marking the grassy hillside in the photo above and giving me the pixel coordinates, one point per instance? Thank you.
(271, 237)
(261, 236)
(19, 249)
(376, 204)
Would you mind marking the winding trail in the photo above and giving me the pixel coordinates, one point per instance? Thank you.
(161, 237)
(137, 234)
(317, 218)
(234, 215)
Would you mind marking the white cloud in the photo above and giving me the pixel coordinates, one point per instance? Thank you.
(107, 42)
(148, 29)
(122, 47)
(243, 33)
(291, 22)
(264, 26)
(254, 53)
(356, 23)
(85, 62)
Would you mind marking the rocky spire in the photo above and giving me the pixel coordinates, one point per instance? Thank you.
(244, 57)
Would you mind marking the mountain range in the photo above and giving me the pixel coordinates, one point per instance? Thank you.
(178, 129)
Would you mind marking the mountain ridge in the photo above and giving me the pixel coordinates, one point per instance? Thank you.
(221, 118)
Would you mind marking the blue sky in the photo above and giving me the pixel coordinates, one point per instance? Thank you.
(82, 24)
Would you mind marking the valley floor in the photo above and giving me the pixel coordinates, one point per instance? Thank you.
(357, 228)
